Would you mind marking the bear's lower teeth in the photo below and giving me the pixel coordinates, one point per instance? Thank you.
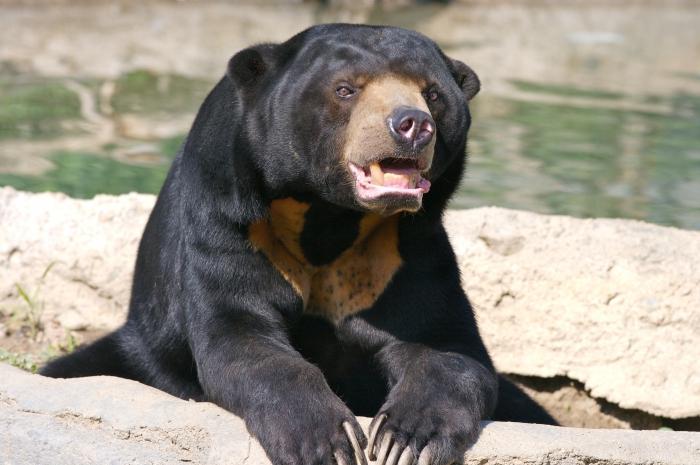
(377, 174)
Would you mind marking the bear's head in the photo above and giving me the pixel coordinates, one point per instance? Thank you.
(363, 117)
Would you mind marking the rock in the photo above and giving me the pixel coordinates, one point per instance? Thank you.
(72, 320)
(117, 421)
(613, 304)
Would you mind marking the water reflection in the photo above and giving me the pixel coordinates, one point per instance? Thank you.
(585, 110)
(587, 162)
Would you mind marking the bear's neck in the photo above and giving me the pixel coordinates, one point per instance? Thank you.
(317, 233)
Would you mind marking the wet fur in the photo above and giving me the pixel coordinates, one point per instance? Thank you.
(215, 314)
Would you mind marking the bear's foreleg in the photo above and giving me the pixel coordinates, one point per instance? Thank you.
(246, 365)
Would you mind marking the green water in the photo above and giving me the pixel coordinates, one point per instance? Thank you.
(35, 109)
(589, 162)
(84, 175)
(552, 144)
(49, 112)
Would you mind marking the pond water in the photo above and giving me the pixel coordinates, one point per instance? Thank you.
(585, 110)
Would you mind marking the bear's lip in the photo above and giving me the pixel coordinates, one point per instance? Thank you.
(390, 176)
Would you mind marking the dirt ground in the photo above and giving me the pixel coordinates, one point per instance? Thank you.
(28, 343)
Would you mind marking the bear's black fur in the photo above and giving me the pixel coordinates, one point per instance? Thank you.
(273, 280)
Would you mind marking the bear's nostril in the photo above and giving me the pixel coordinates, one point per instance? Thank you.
(406, 125)
(425, 133)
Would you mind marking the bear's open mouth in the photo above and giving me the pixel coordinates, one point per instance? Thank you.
(390, 177)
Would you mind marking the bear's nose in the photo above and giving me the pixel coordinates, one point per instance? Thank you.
(412, 127)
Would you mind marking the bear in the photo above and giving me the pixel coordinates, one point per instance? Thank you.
(295, 269)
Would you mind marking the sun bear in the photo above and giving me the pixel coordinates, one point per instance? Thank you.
(295, 269)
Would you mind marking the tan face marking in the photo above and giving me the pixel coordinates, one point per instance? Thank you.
(352, 282)
(367, 133)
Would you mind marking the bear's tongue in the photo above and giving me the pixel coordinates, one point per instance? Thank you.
(402, 177)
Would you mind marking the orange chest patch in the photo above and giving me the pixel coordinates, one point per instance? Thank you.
(350, 283)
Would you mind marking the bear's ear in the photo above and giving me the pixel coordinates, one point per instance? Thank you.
(250, 64)
(466, 78)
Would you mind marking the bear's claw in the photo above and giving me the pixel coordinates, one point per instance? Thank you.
(360, 458)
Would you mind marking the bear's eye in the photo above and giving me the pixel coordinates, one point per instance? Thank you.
(431, 95)
(344, 91)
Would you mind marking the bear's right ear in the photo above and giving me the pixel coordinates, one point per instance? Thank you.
(466, 78)
(250, 64)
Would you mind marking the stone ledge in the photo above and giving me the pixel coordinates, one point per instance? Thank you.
(117, 421)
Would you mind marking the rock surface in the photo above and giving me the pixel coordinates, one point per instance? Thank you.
(117, 421)
(614, 304)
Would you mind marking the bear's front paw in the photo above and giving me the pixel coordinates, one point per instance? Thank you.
(310, 434)
(423, 430)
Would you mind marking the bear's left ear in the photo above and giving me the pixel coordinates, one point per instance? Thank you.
(466, 78)
(249, 65)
